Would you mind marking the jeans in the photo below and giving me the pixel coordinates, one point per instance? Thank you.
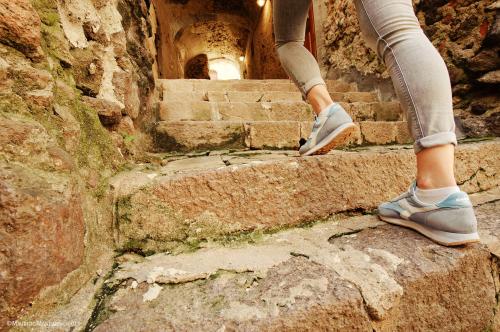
(392, 30)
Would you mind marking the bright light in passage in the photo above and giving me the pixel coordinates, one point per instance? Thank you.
(225, 69)
(261, 3)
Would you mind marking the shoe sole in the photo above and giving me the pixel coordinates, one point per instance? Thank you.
(338, 137)
(443, 238)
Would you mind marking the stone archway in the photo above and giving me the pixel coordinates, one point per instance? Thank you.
(239, 31)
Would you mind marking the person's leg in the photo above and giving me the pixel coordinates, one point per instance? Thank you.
(333, 126)
(289, 20)
(422, 83)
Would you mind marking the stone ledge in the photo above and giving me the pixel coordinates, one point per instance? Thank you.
(210, 197)
(182, 85)
(197, 135)
(341, 275)
(198, 110)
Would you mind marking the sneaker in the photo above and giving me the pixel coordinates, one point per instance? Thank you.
(333, 127)
(451, 222)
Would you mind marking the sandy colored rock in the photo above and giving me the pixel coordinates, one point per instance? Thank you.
(185, 110)
(280, 135)
(249, 97)
(183, 135)
(381, 133)
(350, 97)
(176, 208)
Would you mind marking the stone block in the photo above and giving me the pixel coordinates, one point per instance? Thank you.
(199, 135)
(187, 111)
(387, 132)
(273, 135)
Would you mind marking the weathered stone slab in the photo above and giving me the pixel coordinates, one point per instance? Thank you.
(273, 135)
(170, 209)
(234, 111)
(385, 132)
(272, 111)
(198, 110)
(339, 86)
(354, 274)
(268, 134)
(245, 85)
(379, 111)
(351, 97)
(199, 135)
(253, 97)
(187, 110)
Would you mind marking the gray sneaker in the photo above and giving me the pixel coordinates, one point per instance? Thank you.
(451, 222)
(332, 128)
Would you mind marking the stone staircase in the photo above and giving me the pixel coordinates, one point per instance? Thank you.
(228, 229)
(263, 114)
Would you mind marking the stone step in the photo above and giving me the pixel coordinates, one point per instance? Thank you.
(192, 199)
(352, 274)
(270, 111)
(187, 86)
(271, 96)
(212, 135)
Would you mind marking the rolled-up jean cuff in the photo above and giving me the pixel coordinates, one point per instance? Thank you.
(435, 140)
(304, 89)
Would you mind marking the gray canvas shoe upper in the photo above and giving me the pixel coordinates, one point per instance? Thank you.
(450, 221)
(326, 123)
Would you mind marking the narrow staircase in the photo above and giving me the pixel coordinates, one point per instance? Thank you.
(230, 230)
(263, 114)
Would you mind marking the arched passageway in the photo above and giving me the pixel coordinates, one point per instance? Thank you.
(217, 39)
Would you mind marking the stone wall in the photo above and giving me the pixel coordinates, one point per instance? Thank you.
(466, 33)
(262, 61)
(75, 83)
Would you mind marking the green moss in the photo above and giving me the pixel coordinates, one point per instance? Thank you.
(96, 148)
(100, 312)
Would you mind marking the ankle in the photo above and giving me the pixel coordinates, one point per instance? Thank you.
(428, 182)
(319, 98)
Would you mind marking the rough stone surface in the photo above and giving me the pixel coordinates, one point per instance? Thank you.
(492, 77)
(465, 33)
(175, 204)
(175, 86)
(109, 112)
(385, 132)
(199, 135)
(202, 135)
(41, 218)
(345, 274)
(55, 155)
(20, 27)
(277, 135)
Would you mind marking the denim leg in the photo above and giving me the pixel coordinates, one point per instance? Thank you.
(418, 72)
(289, 20)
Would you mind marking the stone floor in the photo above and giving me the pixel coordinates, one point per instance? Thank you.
(343, 274)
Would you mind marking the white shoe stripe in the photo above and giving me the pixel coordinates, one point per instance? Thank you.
(410, 209)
